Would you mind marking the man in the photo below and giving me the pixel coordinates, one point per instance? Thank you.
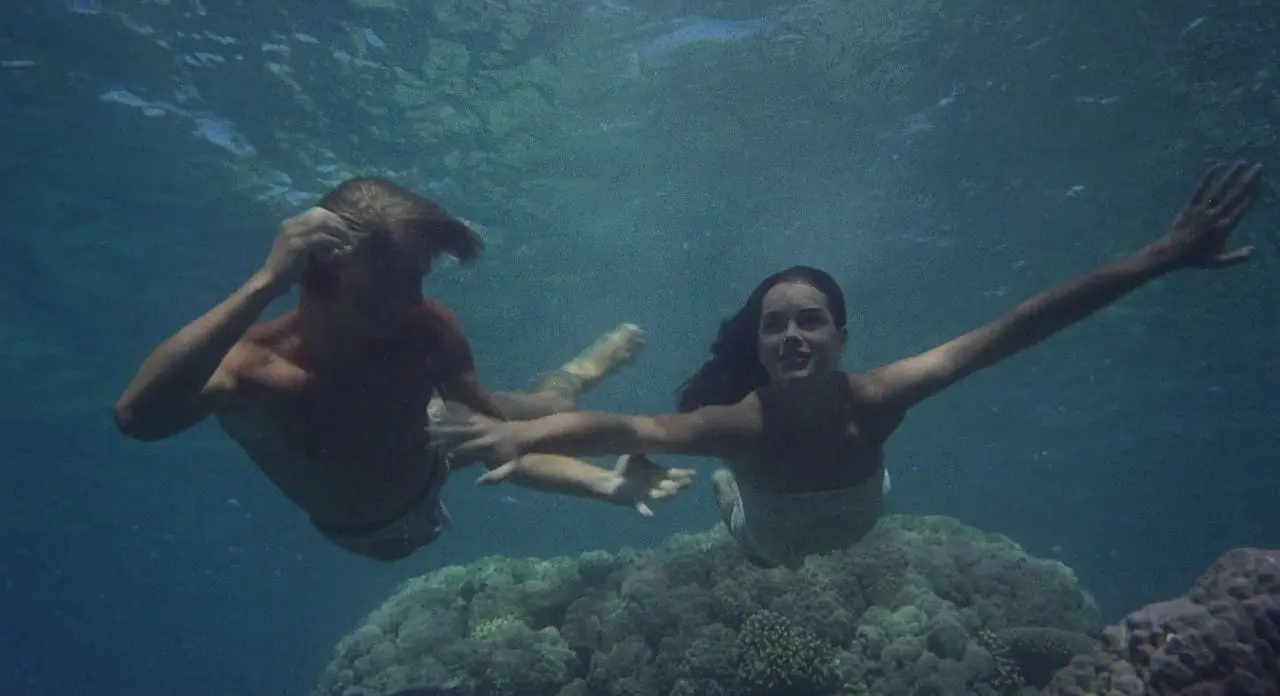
(331, 399)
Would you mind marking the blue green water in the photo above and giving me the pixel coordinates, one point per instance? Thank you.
(646, 162)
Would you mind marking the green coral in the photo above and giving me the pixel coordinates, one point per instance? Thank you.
(1040, 651)
(775, 656)
(693, 618)
(517, 661)
(494, 626)
(1007, 679)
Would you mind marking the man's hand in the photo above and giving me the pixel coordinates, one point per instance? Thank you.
(640, 481)
(635, 481)
(1198, 235)
(301, 238)
(478, 438)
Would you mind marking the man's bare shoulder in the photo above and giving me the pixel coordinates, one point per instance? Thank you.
(432, 312)
(259, 355)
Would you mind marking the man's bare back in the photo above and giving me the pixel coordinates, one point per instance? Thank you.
(347, 444)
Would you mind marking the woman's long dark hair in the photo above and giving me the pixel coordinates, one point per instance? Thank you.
(734, 370)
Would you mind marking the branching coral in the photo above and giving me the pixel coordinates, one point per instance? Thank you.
(776, 658)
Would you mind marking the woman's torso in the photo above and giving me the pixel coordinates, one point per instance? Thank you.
(836, 442)
(815, 480)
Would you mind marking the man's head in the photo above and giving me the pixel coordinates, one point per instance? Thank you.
(396, 237)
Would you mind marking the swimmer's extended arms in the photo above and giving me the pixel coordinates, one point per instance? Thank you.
(714, 431)
(635, 481)
(188, 376)
(1196, 239)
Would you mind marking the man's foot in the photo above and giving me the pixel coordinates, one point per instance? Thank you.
(725, 489)
(610, 352)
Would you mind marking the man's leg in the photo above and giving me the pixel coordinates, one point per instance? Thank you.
(558, 391)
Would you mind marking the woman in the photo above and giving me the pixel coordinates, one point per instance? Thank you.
(803, 441)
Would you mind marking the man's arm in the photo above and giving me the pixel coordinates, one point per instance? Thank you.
(1197, 238)
(714, 431)
(452, 350)
(186, 377)
(462, 385)
(558, 391)
(635, 481)
(522, 406)
(552, 473)
(465, 389)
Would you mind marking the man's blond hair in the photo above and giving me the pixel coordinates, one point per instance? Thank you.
(376, 206)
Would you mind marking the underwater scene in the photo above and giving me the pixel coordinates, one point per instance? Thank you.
(640, 348)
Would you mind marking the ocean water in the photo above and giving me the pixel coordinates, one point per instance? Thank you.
(645, 162)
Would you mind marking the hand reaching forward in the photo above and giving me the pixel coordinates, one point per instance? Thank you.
(476, 438)
(635, 481)
(639, 481)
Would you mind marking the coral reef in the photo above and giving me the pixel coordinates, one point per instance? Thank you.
(777, 657)
(1038, 652)
(1221, 638)
(925, 605)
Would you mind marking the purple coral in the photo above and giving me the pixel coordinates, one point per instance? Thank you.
(1239, 573)
(1220, 639)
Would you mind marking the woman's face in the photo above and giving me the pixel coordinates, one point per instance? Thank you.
(798, 338)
